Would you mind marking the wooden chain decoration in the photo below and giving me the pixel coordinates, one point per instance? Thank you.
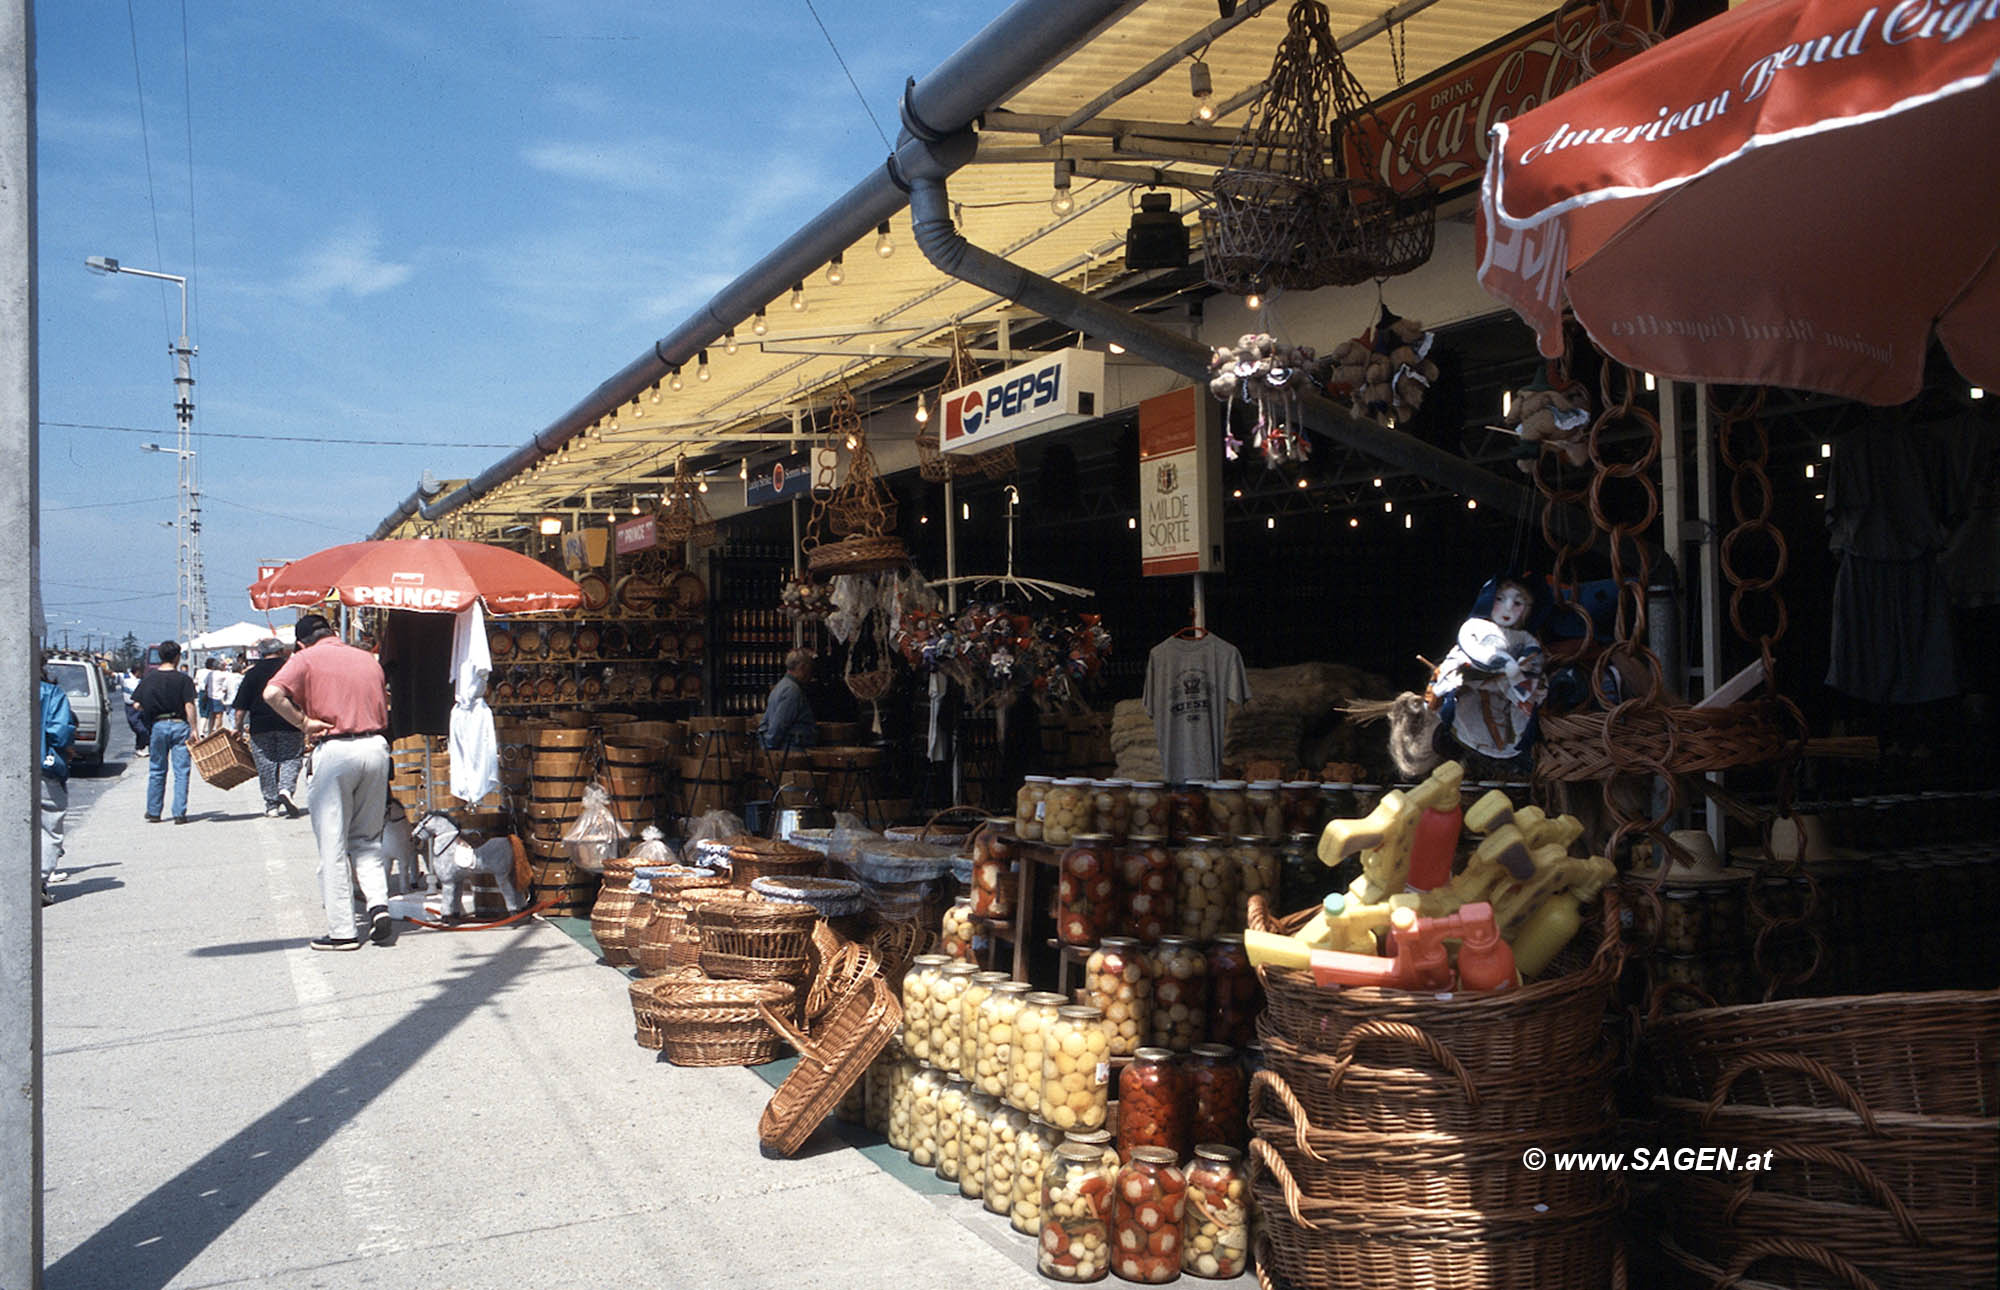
(683, 516)
(862, 506)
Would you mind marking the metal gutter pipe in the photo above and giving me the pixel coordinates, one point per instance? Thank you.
(1013, 49)
(946, 247)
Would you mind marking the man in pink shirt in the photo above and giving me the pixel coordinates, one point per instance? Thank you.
(335, 693)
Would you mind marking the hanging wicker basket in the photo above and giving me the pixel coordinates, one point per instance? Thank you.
(1634, 739)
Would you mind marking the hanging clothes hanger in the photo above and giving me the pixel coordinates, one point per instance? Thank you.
(1010, 581)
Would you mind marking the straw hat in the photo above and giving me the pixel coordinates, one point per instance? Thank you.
(1796, 837)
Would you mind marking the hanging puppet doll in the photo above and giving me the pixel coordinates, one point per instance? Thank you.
(1488, 687)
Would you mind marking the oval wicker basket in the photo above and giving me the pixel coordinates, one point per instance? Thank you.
(751, 939)
(1686, 740)
(646, 1026)
(612, 912)
(828, 897)
(717, 1023)
(757, 858)
(858, 555)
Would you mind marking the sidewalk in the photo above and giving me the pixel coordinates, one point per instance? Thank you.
(458, 1111)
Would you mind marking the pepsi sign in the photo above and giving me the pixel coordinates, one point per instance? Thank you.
(1054, 390)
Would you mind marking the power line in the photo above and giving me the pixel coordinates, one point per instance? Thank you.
(146, 143)
(93, 506)
(280, 438)
(296, 519)
(850, 75)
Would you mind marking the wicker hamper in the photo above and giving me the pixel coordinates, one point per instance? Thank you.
(223, 759)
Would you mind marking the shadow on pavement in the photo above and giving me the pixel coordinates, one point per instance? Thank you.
(148, 1245)
(88, 887)
(235, 948)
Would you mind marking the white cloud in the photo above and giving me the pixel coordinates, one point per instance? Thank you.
(349, 263)
(637, 166)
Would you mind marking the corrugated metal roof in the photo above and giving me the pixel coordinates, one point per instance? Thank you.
(887, 323)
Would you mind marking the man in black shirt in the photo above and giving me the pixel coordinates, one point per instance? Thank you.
(165, 700)
(275, 745)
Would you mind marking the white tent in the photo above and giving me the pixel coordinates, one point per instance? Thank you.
(239, 636)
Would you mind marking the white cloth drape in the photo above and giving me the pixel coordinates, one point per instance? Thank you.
(475, 752)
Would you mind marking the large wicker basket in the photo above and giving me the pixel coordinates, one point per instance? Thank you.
(717, 1023)
(752, 939)
(830, 1063)
(753, 858)
(223, 759)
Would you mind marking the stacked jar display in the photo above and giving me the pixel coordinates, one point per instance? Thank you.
(1066, 811)
(1148, 1212)
(993, 870)
(1033, 1025)
(1180, 993)
(925, 1091)
(1034, 1148)
(1216, 1236)
(919, 984)
(951, 1102)
(1085, 890)
(1118, 980)
(1204, 886)
(1234, 997)
(1218, 1104)
(1111, 807)
(978, 989)
(947, 1014)
(901, 1132)
(1076, 1214)
(993, 1048)
(1146, 885)
(1228, 807)
(1150, 814)
(1264, 809)
(1030, 804)
(957, 937)
(975, 1144)
(1076, 1070)
(1187, 807)
(1004, 1128)
(1152, 1106)
(1254, 859)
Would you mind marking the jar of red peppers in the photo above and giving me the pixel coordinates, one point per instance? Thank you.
(1180, 993)
(1234, 998)
(1255, 860)
(1188, 809)
(1118, 979)
(993, 869)
(1151, 1109)
(1217, 1097)
(1216, 1233)
(1146, 886)
(1076, 1215)
(1146, 1217)
(1298, 803)
(1085, 890)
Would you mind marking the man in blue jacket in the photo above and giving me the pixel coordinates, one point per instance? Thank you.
(58, 729)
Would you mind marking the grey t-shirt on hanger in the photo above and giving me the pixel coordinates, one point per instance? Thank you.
(1188, 684)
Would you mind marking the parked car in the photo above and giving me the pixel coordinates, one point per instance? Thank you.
(91, 694)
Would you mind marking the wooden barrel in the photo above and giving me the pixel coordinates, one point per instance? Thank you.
(561, 735)
(569, 890)
(623, 750)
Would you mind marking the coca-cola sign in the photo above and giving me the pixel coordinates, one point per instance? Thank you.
(1437, 128)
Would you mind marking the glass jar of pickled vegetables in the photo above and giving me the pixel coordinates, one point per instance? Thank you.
(925, 1090)
(1004, 1128)
(1149, 1208)
(1180, 994)
(1264, 812)
(1303, 882)
(1149, 813)
(956, 933)
(853, 1105)
(1234, 997)
(1298, 802)
(1030, 803)
(1066, 812)
(993, 1031)
(885, 1076)
(1076, 1070)
(1111, 807)
(1228, 810)
(1118, 979)
(1204, 886)
(1337, 802)
(948, 1015)
(1255, 860)
(1034, 1147)
(1076, 1215)
(1033, 1025)
(1085, 889)
(993, 878)
(1188, 810)
(902, 1105)
(951, 1117)
(918, 984)
(975, 1144)
(977, 990)
(1151, 1110)
(1145, 887)
(1102, 1140)
(1217, 1097)
(1216, 1235)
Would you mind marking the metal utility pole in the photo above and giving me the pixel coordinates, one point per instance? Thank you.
(192, 583)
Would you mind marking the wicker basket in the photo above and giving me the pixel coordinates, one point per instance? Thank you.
(754, 858)
(827, 897)
(658, 921)
(752, 939)
(717, 1023)
(858, 555)
(1686, 740)
(830, 1063)
(1556, 1022)
(839, 966)
(223, 759)
(611, 915)
(1458, 1251)
(682, 935)
(646, 1026)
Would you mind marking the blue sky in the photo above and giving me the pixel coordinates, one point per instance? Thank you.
(437, 224)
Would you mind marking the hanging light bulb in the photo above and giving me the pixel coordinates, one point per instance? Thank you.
(965, 510)
(1354, 521)
(850, 443)
(1409, 520)
(702, 486)
(1270, 521)
(729, 342)
(835, 274)
(635, 503)
(1472, 503)
(1131, 521)
(1202, 86)
(1115, 347)
(654, 393)
(923, 411)
(1062, 203)
(1506, 403)
(674, 382)
(1378, 481)
(610, 427)
(701, 366)
(1302, 483)
(1254, 300)
(757, 324)
(1975, 392)
(1238, 493)
(1388, 508)
(1650, 383)
(798, 297)
(743, 473)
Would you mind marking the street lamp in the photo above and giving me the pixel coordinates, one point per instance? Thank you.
(192, 619)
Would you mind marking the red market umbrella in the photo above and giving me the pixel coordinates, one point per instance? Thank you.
(427, 574)
(1795, 193)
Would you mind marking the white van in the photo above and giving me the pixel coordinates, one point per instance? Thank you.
(90, 689)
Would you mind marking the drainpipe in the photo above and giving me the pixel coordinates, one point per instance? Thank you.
(945, 247)
(1011, 51)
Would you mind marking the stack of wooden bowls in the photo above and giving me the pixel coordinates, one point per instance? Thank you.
(631, 776)
(558, 771)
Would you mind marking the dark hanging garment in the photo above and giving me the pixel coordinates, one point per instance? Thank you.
(416, 662)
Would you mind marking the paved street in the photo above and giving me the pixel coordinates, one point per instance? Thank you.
(460, 1110)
